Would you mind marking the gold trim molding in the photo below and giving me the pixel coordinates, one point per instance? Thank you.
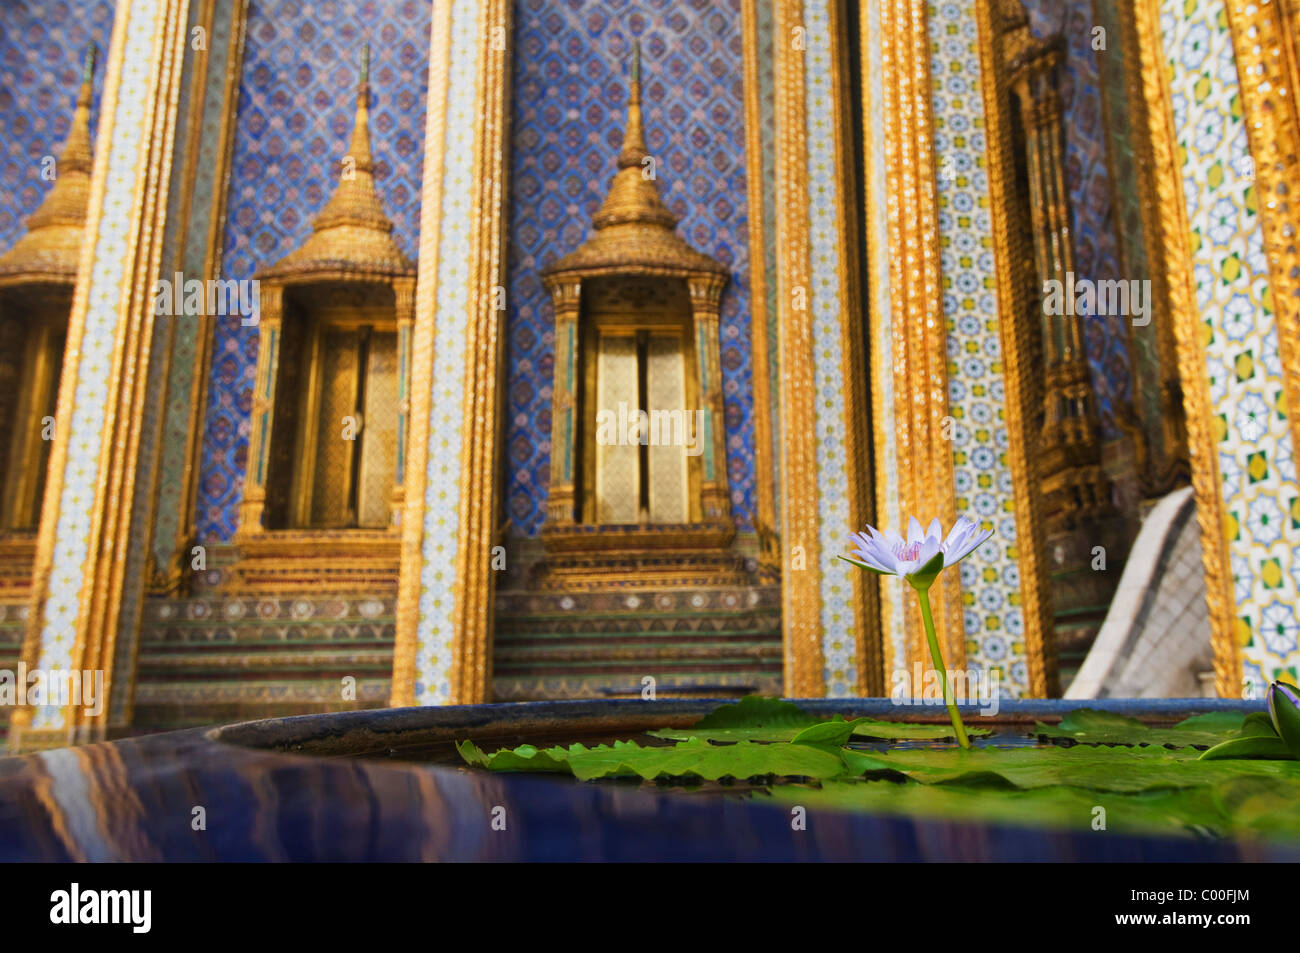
(801, 601)
(1266, 74)
(143, 194)
(1014, 301)
(1176, 262)
(470, 649)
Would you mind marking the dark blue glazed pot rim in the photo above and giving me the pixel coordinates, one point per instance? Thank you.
(372, 731)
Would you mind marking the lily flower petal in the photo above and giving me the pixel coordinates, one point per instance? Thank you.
(889, 553)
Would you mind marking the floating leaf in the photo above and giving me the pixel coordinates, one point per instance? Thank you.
(755, 711)
(1267, 747)
(909, 731)
(834, 733)
(1088, 726)
(755, 718)
(694, 758)
(522, 758)
(1234, 807)
(1099, 769)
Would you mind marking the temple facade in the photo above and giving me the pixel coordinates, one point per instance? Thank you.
(426, 353)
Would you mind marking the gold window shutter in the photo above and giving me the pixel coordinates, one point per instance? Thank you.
(666, 394)
(618, 464)
(379, 435)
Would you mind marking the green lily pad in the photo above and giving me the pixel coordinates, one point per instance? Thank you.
(1097, 769)
(910, 731)
(1237, 807)
(694, 758)
(1088, 726)
(755, 718)
(1266, 747)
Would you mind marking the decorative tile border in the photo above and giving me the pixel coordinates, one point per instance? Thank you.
(826, 218)
(110, 261)
(1250, 431)
(990, 578)
(883, 404)
(443, 476)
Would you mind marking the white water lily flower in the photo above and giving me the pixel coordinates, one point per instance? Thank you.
(922, 555)
(919, 559)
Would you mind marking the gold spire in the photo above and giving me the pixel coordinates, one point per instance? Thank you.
(634, 230)
(52, 243)
(634, 193)
(351, 233)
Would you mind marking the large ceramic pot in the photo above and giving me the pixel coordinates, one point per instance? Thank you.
(387, 785)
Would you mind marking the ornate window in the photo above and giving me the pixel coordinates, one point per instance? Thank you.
(326, 454)
(37, 277)
(638, 458)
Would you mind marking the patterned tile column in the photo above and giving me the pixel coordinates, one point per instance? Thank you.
(211, 90)
(1229, 326)
(831, 643)
(949, 379)
(443, 651)
(81, 590)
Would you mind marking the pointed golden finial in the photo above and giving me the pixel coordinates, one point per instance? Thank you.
(351, 232)
(359, 149)
(355, 200)
(52, 244)
(634, 193)
(76, 150)
(633, 231)
(634, 150)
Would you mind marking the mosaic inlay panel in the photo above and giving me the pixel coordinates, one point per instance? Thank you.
(839, 621)
(297, 102)
(1255, 454)
(433, 656)
(569, 100)
(112, 254)
(990, 578)
(42, 50)
(1087, 178)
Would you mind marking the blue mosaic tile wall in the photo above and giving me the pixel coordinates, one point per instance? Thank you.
(570, 93)
(297, 102)
(1091, 198)
(42, 50)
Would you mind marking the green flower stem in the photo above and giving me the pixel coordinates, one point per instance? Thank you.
(928, 617)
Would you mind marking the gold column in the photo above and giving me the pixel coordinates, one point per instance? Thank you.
(169, 573)
(1014, 296)
(764, 494)
(404, 306)
(919, 359)
(471, 681)
(1160, 444)
(432, 648)
(79, 585)
(715, 496)
(566, 297)
(270, 331)
(801, 600)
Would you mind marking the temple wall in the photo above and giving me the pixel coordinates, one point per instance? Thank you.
(42, 50)
(569, 90)
(294, 116)
(981, 446)
(1091, 192)
(42, 53)
(1250, 435)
